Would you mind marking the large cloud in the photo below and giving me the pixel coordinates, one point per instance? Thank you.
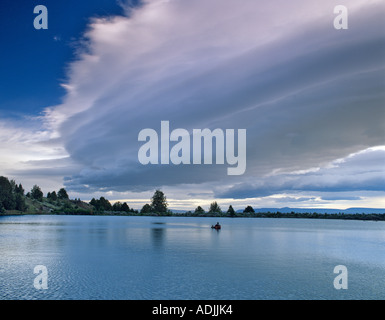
(306, 93)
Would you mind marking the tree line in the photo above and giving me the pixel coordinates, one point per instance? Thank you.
(249, 212)
(104, 205)
(13, 197)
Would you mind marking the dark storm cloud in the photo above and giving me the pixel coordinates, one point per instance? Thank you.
(306, 93)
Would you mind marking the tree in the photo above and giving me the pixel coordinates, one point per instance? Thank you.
(95, 204)
(20, 202)
(19, 189)
(146, 209)
(62, 194)
(248, 209)
(7, 199)
(117, 206)
(13, 184)
(53, 196)
(215, 208)
(199, 210)
(231, 211)
(159, 202)
(125, 207)
(36, 193)
(104, 204)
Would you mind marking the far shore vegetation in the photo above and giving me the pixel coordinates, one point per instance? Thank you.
(15, 201)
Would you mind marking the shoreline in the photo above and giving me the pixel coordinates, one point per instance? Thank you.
(326, 216)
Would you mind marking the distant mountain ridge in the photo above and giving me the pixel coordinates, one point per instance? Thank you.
(319, 210)
(304, 210)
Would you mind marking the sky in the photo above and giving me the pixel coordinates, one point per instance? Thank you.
(74, 97)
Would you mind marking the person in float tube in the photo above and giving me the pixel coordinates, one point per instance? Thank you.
(217, 226)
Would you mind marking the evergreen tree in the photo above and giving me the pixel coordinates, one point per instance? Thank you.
(95, 204)
(36, 193)
(7, 199)
(19, 189)
(62, 194)
(248, 209)
(199, 210)
(13, 185)
(53, 196)
(215, 208)
(231, 211)
(146, 209)
(159, 202)
(20, 202)
(125, 207)
(104, 204)
(117, 206)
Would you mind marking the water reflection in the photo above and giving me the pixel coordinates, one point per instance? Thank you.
(177, 258)
(158, 237)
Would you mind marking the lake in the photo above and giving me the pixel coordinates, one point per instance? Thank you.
(127, 257)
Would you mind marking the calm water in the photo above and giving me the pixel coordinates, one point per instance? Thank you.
(183, 258)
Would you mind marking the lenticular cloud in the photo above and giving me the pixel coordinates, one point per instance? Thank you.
(306, 93)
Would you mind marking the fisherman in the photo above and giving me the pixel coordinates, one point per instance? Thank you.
(217, 226)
